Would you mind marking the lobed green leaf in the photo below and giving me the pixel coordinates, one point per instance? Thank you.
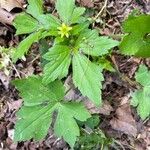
(91, 44)
(137, 41)
(66, 125)
(141, 98)
(87, 77)
(58, 66)
(40, 102)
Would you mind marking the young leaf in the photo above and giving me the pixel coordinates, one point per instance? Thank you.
(66, 125)
(137, 41)
(25, 45)
(65, 9)
(79, 28)
(25, 24)
(35, 8)
(141, 98)
(78, 11)
(49, 21)
(105, 64)
(60, 59)
(87, 77)
(90, 43)
(143, 76)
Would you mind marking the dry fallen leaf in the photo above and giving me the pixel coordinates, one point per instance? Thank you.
(5, 80)
(6, 17)
(14, 105)
(2, 129)
(105, 109)
(10, 4)
(124, 121)
(86, 3)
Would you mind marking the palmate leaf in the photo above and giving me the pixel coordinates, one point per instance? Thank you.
(60, 59)
(39, 102)
(137, 41)
(141, 98)
(24, 23)
(39, 27)
(91, 43)
(35, 116)
(87, 77)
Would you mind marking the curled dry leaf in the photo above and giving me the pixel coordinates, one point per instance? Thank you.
(124, 121)
(10, 4)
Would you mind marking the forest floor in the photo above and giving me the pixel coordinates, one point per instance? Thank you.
(118, 119)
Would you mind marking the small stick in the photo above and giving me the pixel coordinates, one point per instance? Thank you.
(105, 4)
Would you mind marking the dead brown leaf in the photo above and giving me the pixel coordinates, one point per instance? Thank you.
(5, 80)
(10, 4)
(124, 121)
(144, 138)
(2, 130)
(15, 105)
(86, 3)
(6, 17)
(106, 108)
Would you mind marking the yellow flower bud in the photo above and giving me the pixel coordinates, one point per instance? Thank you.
(64, 30)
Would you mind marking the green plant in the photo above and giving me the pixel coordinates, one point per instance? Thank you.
(40, 102)
(92, 138)
(137, 40)
(94, 141)
(141, 97)
(73, 43)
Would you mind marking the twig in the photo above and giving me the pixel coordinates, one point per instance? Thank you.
(120, 144)
(68, 91)
(16, 70)
(100, 12)
(37, 57)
